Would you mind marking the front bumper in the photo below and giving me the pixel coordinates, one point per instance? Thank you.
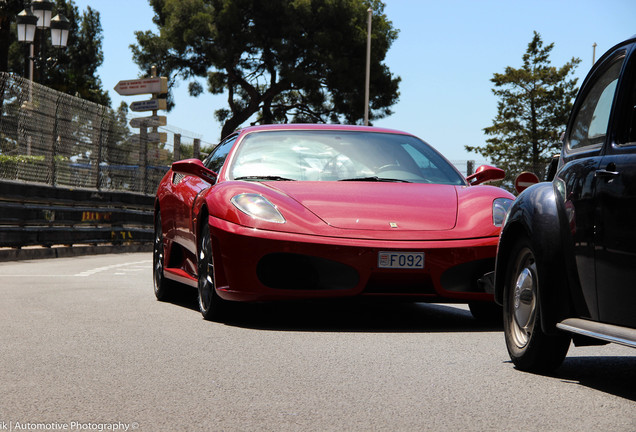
(259, 265)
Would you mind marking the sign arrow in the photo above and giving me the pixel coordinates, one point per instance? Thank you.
(149, 105)
(142, 86)
(149, 121)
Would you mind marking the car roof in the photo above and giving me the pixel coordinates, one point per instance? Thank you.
(318, 127)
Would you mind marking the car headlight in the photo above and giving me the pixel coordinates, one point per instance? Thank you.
(257, 206)
(500, 208)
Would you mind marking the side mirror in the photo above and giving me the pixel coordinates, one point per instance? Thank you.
(485, 174)
(196, 168)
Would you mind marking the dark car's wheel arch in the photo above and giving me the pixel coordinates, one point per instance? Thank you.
(544, 229)
(506, 242)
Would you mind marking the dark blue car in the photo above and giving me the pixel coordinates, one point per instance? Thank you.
(566, 262)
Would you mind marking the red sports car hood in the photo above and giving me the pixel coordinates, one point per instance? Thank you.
(377, 206)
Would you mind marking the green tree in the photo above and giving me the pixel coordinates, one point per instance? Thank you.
(75, 71)
(534, 104)
(9, 9)
(281, 60)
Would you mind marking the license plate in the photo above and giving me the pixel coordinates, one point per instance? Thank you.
(401, 260)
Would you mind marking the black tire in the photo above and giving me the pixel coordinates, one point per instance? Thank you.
(487, 313)
(210, 304)
(529, 347)
(164, 288)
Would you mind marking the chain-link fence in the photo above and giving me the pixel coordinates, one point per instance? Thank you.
(50, 137)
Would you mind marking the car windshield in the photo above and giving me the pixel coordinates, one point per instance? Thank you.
(321, 155)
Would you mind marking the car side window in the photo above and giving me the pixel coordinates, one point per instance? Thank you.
(216, 159)
(592, 119)
(626, 135)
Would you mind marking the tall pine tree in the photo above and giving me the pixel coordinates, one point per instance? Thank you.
(534, 104)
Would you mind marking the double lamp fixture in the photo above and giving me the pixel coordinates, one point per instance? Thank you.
(39, 16)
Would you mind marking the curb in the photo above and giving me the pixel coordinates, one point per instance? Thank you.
(69, 251)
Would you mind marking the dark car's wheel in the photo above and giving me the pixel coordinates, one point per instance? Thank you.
(163, 287)
(529, 347)
(210, 304)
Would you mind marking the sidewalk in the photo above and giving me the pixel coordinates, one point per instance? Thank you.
(29, 253)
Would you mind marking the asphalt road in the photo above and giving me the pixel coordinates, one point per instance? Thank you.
(84, 345)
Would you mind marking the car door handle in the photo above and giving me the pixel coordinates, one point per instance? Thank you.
(606, 173)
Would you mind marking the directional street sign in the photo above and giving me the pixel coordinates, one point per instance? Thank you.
(149, 105)
(153, 86)
(142, 86)
(149, 121)
(152, 137)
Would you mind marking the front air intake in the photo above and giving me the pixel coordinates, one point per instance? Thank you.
(304, 272)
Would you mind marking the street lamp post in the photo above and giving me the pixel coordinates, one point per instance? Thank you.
(38, 16)
(26, 23)
(367, 69)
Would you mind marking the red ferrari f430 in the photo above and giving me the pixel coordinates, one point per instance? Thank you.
(285, 212)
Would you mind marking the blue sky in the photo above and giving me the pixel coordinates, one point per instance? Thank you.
(446, 53)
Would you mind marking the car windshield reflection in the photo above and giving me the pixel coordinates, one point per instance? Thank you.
(340, 156)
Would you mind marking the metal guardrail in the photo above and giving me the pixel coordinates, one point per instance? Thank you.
(35, 214)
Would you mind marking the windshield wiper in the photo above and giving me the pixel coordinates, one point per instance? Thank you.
(375, 179)
(264, 178)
